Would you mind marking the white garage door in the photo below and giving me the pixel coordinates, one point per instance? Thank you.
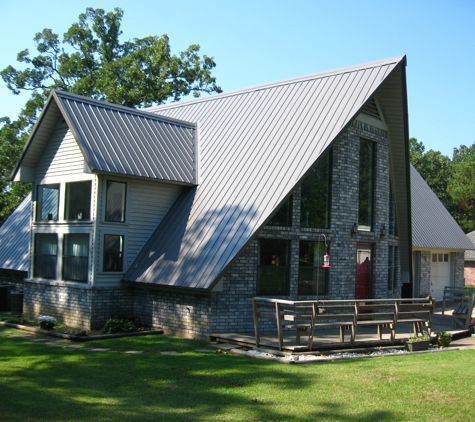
(439, 274)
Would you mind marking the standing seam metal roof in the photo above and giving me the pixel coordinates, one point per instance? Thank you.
(14, 238)
(432, 225)
(123, 140)
(255, 147)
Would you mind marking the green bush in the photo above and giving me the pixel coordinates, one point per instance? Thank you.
(114, 326)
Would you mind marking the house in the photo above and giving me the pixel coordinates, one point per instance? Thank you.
(438, 242)
(180, 214)
(469, 267)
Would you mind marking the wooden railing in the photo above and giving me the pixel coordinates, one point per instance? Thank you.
(308, 316)
(465, 299)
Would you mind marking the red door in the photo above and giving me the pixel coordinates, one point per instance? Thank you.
(364, 273)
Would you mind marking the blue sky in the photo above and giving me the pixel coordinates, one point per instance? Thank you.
(262, 41)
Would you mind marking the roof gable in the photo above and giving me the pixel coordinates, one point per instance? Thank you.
(256, 145)
(432, 225)
(116, 139)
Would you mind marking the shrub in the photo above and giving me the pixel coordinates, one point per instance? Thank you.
(47, 322)
(114, 326)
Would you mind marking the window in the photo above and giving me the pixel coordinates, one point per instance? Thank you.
(366, 185)
(315, 203)
(115, 201)
(283, 217)
(78, 201)
(272, 273)
(47, 203)
(45, 255)
(75, 257)
(313, 279)
(393, 265)
(113, 252)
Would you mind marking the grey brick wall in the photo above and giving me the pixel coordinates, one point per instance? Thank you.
(77, 305)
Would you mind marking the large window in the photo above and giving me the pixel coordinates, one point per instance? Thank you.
(78, 201)
(366, 185)
(47, 203)
(283, 217)
(115, 201)
(113, 252)
(75, 257)
(315, 205)
(45, 255)
(393, 265)
(272, 277)
(313, 279)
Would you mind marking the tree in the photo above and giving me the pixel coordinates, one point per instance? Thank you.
(91, 60)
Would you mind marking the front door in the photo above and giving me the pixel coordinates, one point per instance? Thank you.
(364, 273)
(439, 274)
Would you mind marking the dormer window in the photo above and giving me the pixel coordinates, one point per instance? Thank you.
(47, 203)
(78, 201)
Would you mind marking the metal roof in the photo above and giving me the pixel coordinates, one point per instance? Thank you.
(256, 145)
(118, 139)
(14, 238)
(432, 225)
(470, 254)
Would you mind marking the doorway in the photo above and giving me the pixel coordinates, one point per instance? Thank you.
(364, 272)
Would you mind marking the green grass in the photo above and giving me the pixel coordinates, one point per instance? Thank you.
(40, 382)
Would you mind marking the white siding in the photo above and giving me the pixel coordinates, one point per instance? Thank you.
(62, 156)
(146, 205)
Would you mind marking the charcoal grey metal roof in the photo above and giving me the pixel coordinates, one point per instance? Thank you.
(14, 236)
(118, 139)
(432, 225)
(256, 145)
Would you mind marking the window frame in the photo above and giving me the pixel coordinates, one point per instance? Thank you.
(268, 269)
(124, 212)
(83, 257)
(39, 202)
(318, 268)
(67, 199)
(104, 253)
(369, 211)
(37, 256)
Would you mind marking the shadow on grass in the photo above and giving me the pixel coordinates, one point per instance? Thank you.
(43, 382)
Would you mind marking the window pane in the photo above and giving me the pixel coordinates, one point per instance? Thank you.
(313, 279)
(46, 250)
(283, 217)
(113, 252)
(272, 275)
(366, 183)
(315, 204)
(78, 201)
(48, 203)
(115, 201)
(75, 257)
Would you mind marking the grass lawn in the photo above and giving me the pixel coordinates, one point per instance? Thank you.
(40, 382)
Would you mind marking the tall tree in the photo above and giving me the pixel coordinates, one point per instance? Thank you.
(92, 60)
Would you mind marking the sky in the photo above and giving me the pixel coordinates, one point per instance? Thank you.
(261, 41)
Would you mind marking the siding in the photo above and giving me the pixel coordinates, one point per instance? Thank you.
(62, 156)
(147, 204)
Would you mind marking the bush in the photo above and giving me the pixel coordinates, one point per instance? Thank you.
(114, 326)
(47, 322)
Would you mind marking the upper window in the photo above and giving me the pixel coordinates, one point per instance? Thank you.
(78, 201)
(46, 251)
(272, 277)
(47, 203)
(283, 217)
(366, 184)
(113, 252)
(75, 257)
(115, 201)
(313, 279)
(315, 205)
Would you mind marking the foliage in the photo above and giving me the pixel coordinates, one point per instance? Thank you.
(453, 181)
(443, 334)
(47, 322)
(114, 326)
(195, 386)
(424, 337)
(92, 60)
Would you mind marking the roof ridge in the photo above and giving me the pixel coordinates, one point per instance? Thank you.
(287, 81)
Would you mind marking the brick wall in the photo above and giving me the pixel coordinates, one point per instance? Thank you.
(77, 305)
(469, 273)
